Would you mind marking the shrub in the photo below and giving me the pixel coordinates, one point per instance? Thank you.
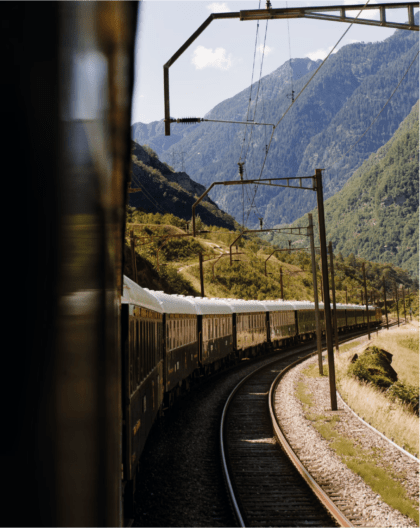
(374, 366)
(406, 393)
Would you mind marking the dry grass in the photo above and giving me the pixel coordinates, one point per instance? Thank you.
(403, 343)
(392, 419)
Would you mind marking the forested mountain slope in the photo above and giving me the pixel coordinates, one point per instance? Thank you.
(333, 112)
(376, 215)
(165, 191)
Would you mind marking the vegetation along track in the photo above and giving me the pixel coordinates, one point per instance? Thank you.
(268, 486)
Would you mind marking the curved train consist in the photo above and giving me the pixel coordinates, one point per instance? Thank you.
(169, 341)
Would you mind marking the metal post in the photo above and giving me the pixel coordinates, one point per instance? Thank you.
(396, 299)
(281, 282)
(405, 313)
(200, 260)
(409, 304)
(322, 289)
(327, 307)
(386, 310)
(333, 295)
(314, 279)
(366, 296)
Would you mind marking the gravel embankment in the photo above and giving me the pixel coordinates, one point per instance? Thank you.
(352, 495)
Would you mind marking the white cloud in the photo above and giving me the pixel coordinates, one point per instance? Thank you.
(218, 7)
(320, 53)
(207, 58)
(266, 51)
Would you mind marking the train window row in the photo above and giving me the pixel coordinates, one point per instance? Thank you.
(251, 322)
(180, 332)
(145, 349)
(215, 327)
(285, 318)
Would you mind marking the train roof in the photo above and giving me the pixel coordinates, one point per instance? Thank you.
(241, 306)
(205, 305)
(173, 304)
(277, 306)
(135, 294)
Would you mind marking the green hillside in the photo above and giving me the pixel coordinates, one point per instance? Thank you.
(157, 188)
(170, 263)
(376, 215)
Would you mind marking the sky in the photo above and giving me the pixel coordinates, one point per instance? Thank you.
(219, 63)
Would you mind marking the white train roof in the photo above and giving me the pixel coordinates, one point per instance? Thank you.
(241, 306)
(135, 294)
(204, 306)
(277, 306)
(173, 304)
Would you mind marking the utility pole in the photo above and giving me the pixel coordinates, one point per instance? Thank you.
(333, 295)
(405, 313)
(200, 260)
(409, 304)
(315, 281)
(396, 299)
(386, 309)
(327, 306)
(281, 283)
(367, 306)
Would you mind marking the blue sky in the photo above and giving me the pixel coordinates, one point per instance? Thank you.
(218, 64)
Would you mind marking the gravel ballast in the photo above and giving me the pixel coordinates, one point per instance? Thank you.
(349, 491)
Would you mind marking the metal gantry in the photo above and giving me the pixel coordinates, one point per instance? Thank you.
(311, 12)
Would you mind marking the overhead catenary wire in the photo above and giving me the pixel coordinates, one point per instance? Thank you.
(250, 89)
(304, 88)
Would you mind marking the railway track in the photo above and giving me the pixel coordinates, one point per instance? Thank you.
(269, 486)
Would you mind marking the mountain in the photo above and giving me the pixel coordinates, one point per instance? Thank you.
(165, 191)
(376, 215)
(332, 113)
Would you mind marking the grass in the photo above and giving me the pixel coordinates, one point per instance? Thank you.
(394, 419)
(384, 484)
(369, 464)
(303, 395)
(403, 343)
(391, 418)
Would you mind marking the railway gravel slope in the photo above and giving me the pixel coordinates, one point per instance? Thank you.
(357, 500)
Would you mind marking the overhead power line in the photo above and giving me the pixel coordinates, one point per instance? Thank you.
(304, 88)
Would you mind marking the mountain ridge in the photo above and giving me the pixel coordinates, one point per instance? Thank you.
(332, 113)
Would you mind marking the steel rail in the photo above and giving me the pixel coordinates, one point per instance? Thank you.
(315, 487)
(322, 496)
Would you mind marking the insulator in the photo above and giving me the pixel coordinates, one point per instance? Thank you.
(268, 4)
(188, 120)
(241, 169)
(261, 222)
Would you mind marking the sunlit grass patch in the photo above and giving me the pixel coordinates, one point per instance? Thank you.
(391, 418)
(348, 346)
(382, 483)
(403, 343)
(303, 395)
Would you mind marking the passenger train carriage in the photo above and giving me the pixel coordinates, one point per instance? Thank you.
(170, 341)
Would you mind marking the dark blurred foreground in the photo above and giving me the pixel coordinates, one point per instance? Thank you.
(66, 99)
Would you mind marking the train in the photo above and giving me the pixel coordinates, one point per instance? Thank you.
(170, 342)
